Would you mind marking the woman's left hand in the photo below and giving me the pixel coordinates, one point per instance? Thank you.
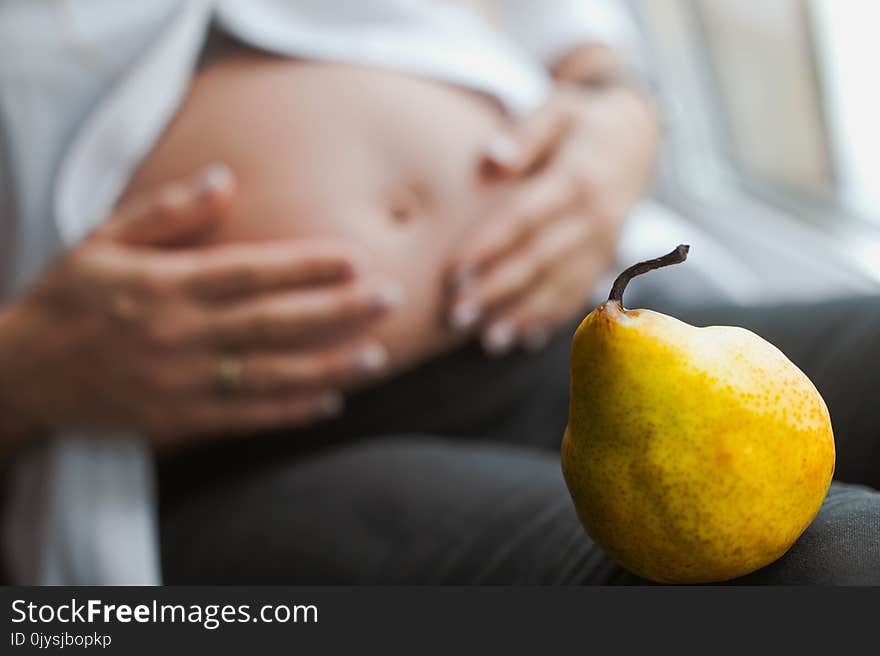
(576, 168)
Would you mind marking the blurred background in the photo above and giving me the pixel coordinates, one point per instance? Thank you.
(771, 159)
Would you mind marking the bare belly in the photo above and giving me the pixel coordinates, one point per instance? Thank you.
(332, 150)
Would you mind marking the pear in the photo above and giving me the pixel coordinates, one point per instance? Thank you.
(692, 455)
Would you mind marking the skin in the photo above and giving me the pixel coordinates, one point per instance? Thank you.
(580, 164)
(692, 454)
(344, 152)
(136, 321)
(139, 315)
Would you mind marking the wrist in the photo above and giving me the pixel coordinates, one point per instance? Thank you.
(622, 105)
(597, 69)
(591, 66)
(15, 426)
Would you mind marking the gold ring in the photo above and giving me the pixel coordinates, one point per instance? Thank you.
(229, 370)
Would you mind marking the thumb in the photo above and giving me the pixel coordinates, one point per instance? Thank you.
(174, 214)
(528, 144)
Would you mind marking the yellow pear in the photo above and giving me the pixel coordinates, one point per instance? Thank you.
(692, 454)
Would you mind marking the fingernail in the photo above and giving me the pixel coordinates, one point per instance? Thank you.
(372, 358)
(215, 178)
(389, 296)
(504, 150)
(499, 337)
(464, 315)
(535, 339)
(331, 404)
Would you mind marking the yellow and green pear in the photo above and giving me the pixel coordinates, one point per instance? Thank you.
(692, 455)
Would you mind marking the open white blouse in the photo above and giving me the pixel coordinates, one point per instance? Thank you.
(86, 88)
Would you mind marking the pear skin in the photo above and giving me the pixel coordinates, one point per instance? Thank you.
(692, 455)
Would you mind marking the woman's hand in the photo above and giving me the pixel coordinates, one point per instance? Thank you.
(577, 167)
(138, 328)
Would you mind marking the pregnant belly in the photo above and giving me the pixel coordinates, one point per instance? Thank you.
(331, 150)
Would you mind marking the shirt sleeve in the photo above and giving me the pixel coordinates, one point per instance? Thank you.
(6, 210)
(549, 30)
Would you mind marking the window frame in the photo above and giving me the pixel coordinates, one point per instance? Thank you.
(700, 177)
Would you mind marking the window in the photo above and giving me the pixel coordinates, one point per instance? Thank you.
(781, 94)
(848, 51)
(768, 96)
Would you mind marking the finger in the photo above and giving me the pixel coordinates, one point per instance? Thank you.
(176, 213)
(527, 210)
(274, 373)
(299, 317)
(518, 272)
(226, 272)
(230, 417)
(529, 144)
(528, 322)
(533, 319)
(340, 368)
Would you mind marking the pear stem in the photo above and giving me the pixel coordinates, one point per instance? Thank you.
(677, 256)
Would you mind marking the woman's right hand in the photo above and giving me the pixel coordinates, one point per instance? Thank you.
(139, 328)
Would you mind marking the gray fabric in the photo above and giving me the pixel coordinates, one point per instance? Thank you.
(451, 474)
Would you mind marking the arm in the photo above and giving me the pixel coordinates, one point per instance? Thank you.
(14, 428)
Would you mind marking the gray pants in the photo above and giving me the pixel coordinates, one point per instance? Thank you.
(450, 474)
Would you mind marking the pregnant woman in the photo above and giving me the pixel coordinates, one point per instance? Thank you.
(416, 481)
(384, 161)
(362, 240)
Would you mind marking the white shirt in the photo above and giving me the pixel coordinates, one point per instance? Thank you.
(86, 87)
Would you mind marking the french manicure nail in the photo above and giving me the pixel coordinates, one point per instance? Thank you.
(372, 358)
(331, 404)
(464, 315)
(504, 150)
(499, 337)
(215, 178)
